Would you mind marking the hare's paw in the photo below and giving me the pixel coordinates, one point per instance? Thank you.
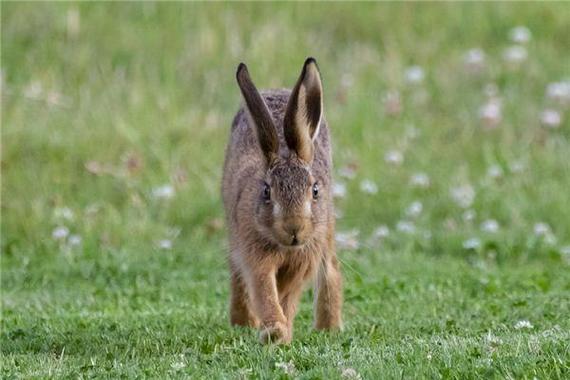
(274, 333)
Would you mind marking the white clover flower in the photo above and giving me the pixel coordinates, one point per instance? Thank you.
(339, 190)
(472, 243)
(415, 209)
(406, 227)
(559, 92)
(347, 239)
(381, 232)
(63, 213)
(463, 195)
(490, 225)
(517, 167)
(491, 113)
(177, 366)
(515, 54)
(414, 74)
(350, 373)
(420, 180)
(494, 172)
(163, 192)
(60, 233)
(474, 59)
(469, 215)
(368, 186)
(523, 324)
(542, 229)
(288, 368)
(394, 157)
(74, 240)
(520, 35)
(551, 118)
(165, 244)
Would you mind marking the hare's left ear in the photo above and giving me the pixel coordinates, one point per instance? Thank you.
(304, 111)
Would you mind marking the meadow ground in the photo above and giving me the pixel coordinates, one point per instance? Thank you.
(451, 132)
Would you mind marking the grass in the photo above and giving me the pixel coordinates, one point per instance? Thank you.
(99, 115)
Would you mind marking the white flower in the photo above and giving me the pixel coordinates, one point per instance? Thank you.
(60, 233)
(288, 368)
(469, 215)
(381, 232)
(490, 226)
(463, 195)
(394, 157)
(406, 227)
(350, 373)
(495, 172)
(74, 240)
(472, 243)
(415, 209)
(347, 239)
(339, 190)
(420, 180)
(177, 366)
(165, 244)
(163, 192)
(551, 118)
(367, 186)
(520, 34)
(491, 113)
(63, 213)
(542, 229)
(565, 250)
(474, 59)
(515, 54)
(559, 92)
(523, 324)
(517, 167)
(414, 74)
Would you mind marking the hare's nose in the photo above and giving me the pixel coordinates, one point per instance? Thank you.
(293, 230)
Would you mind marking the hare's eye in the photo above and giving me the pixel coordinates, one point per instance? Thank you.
(266, 192)
(315, 190)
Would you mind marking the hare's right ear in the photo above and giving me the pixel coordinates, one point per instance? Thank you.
(266, 133)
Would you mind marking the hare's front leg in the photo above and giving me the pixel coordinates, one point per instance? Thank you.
(240, 313)
(328, 295)
(263, 288)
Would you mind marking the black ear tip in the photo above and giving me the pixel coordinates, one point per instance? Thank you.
(310, 60)
(241, 67)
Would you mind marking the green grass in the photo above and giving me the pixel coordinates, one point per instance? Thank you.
(95, 119)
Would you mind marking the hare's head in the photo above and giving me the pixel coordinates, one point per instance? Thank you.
(291, 201)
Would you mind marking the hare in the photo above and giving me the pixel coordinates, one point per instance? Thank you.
(279, 208)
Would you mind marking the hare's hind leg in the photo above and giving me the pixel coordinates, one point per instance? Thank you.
(328, 294)
(240, 311)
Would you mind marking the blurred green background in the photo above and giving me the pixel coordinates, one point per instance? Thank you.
(451, 148)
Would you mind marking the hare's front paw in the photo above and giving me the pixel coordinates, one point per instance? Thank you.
(275, 332)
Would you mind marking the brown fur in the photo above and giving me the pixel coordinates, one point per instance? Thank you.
(277, 245)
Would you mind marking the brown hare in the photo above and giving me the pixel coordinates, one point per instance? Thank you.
(279, 208)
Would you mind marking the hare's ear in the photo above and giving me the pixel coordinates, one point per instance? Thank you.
(266, 133)
(304, 111)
